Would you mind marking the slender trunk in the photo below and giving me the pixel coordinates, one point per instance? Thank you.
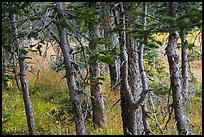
(184, 65)
(113, 75)
(147, 128)
(110, 38)
(24, 84)
(77, 106)
(184, 57)
(15, 70)
(118, 61)
(176, 77)
(99, 113)
(130, 84)
(3, 64)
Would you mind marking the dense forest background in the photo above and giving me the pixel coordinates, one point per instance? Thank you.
(101, 68)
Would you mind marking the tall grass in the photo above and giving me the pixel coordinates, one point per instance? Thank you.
(51, 117)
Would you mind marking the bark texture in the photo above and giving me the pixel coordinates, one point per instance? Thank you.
(73, 90)
(3, 53)
(99, 112)
(131, 88)
(24, 83)
(147, 128)
(184, 56)
(15, 70)
(184, 64)
(109, 36)
(175, 76)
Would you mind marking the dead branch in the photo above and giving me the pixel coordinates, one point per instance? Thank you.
(116, 103)
(154, 112)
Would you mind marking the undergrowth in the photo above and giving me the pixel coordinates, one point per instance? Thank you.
(53, 111)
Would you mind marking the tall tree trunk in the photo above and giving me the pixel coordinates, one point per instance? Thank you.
(3, 53)
(184, 65)
(99, 113)
(184, 57)
(110, 38)
(147, 128)
(73, 90)
(15, 70)
(24, 84)
(131, 88)
(176, 77)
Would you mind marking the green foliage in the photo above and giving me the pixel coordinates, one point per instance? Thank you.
(15, 121)
(105, 59)
(5, 120)
(199, 90)
(160, 88)
(65, 108)
(171, 21)
(115, 29)
(194, 55)
(7, 81)
(64, 23)
(187, 45)
(88, 15)
(35, 18)
(57, 64)
(24, 51)
(97, 80)
(107, 56)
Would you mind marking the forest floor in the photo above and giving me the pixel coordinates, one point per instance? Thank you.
(52, 108)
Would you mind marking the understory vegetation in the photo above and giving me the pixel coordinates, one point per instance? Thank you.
(52, 109)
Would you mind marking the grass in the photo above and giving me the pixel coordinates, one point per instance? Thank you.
(49, 118)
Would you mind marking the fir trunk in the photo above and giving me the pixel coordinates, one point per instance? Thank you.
(176, 78)
(24, 84)
(3, 53)
(184, 57)
(15, 70)
(99, 113)
(77, 106)
(147, 128)
(109, 36)
(130, 84)
(184, 66)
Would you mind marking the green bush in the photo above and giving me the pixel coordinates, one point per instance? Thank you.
(160, 88)
(199, 90)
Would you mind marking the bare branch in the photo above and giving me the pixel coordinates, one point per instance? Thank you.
(135, 105)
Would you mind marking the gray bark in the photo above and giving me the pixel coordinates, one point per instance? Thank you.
(184, 56)
(117, 66)
(176, 77)
(3, 64)
(110, 38)
(15, 70)
(99, 112)
(131, 88)
(184, 65)
(24, 84)
(147, 128)
(65, 47)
